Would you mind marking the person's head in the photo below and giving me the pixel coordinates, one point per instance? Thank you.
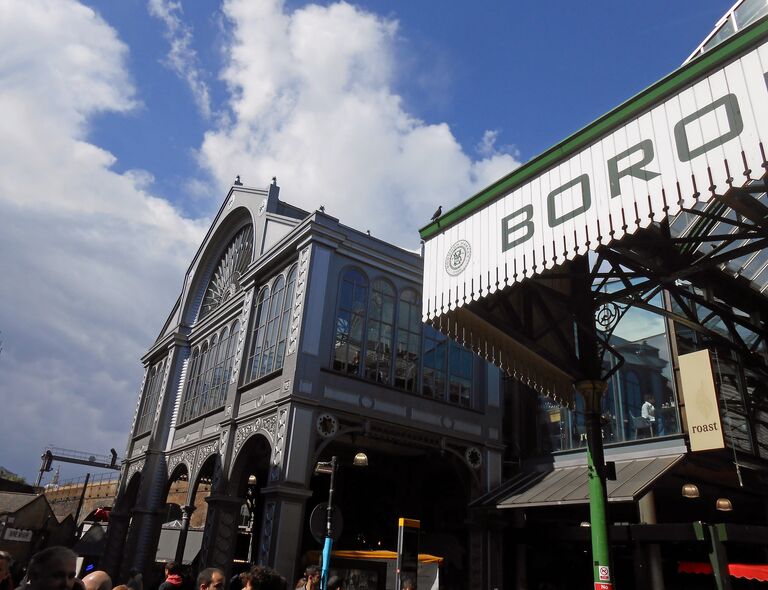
(312, 574)
(335, 583)
(263, 578)
(97, 580)
(6, 561)
(648, 398)
(172, 568)
(135, 581)
(52, 569)
(211, 579)
(408, 584)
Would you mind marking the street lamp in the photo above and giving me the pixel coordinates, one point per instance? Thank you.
(251, 493)
(329, 468)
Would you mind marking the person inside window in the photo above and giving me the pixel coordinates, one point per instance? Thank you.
(648, 411)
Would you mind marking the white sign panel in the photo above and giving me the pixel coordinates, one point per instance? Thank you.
(687, 147)
(700, 396)
(18, 535)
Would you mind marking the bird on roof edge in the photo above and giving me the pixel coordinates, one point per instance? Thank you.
(437, 213)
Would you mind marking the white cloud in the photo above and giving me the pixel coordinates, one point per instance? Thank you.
(90, 261)
(182, 57)
(312, 102)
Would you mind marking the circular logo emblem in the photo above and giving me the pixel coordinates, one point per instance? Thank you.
(458, 257)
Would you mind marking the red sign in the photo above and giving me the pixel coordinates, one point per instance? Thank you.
(603, 586)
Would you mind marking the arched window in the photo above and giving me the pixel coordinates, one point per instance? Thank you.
(206, 390)
(260, 309)
(225, 279)
(273, 321)
(218, 388)
(380, 332)
(192, 377)
(285, 318)
(149, 401)
(408, 341)
(194, 406)
(350, 319)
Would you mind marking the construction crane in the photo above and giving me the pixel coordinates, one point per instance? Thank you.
(52, 454)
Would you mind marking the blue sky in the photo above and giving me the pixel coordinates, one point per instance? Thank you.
(125, 122)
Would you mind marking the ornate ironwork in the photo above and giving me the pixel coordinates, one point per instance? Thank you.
(225, 281)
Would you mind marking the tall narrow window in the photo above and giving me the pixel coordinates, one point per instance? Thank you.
(273, 319)
(260, 313)
(218, 369)
(272, 311)
(434, 375)
(192, 377)
(408, 340)
(285, 318)
(447, 373)
(348, 341)
(381, 327)
(149, 400)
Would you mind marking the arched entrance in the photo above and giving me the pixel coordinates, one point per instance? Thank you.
(426, 484)
(249, 476)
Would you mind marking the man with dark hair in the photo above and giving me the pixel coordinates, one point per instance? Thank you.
(263, 578)
(211, 578)
(52, 569)
(173, 580)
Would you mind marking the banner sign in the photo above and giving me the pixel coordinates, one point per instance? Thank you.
(18, 535)
(692, 144)
(702, 412)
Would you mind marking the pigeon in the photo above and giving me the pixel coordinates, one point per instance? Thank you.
(437, 213)
(237, 181)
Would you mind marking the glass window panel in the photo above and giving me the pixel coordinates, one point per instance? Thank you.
(749, 11)
(260, 318)
(732, 408)
(350, 321)
(408, 341)
(757, 393)
(150, 398)
(381, 319)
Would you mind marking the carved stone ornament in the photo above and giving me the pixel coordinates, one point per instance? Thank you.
(327, 425)
(266, 425)
(298, 301)
(473, 457)
(187, 457)
(206, 451)
(279, 444)
(134, 468)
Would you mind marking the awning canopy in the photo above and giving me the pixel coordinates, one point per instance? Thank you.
(746, 571)
(570, 485)
(689, 138)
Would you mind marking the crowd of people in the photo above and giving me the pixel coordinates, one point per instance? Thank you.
(54, 568)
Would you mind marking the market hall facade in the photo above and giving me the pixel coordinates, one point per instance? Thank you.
(296, 338)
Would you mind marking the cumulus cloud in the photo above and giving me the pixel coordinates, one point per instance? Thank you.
(182, 57)
(312, 102)
(91, 261)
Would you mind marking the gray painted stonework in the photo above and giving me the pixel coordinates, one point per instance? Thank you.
(279, 411)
